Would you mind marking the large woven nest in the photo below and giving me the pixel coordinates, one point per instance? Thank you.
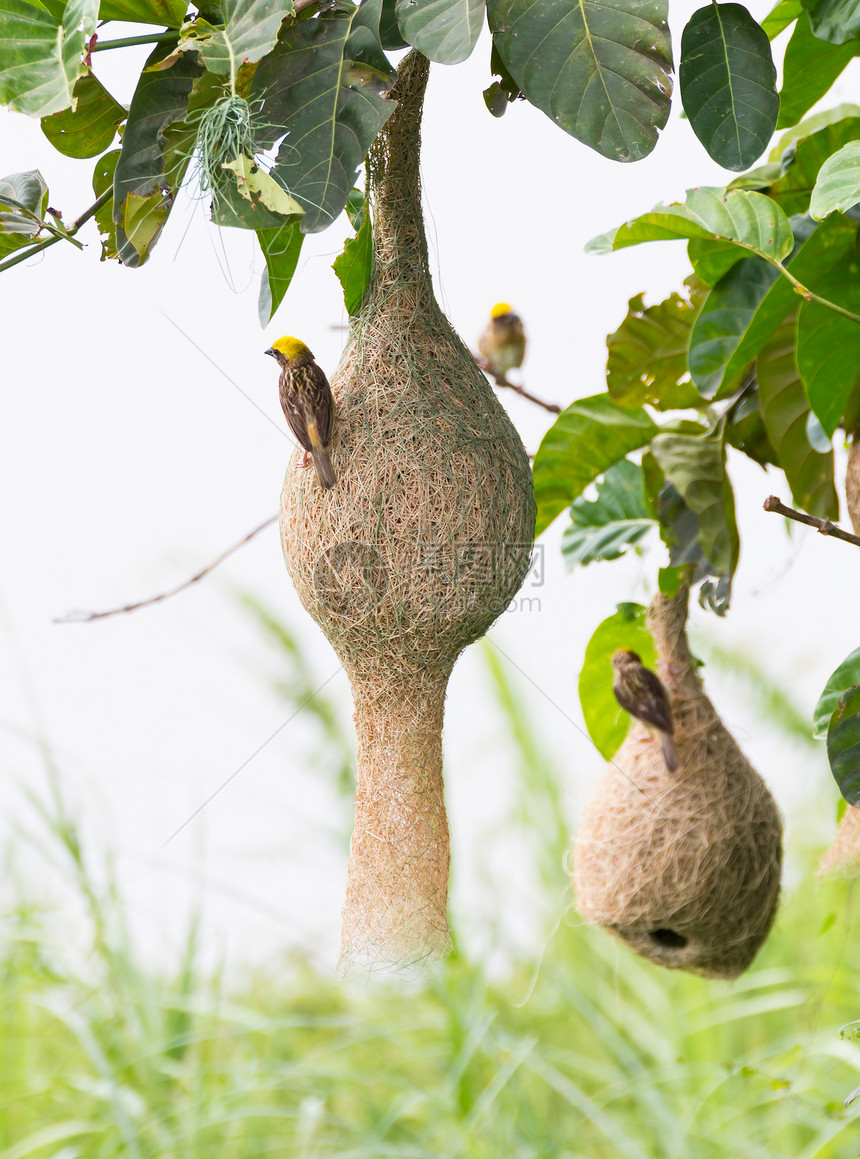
(421, 545)
(682, 866)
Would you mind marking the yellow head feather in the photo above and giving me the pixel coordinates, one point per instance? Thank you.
(290, 347)
(500, 309)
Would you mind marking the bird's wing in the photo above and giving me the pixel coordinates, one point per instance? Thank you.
(294, 414)
(652, 703)
(319, 403)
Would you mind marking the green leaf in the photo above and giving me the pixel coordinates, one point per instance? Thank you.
(724, 319)
(389, 29)
(696, 467)
(793, 189)
(728, 84)
(160, 99)
(600, 71)
(746, 430)
(647, 361)
(846, 676)
(605, 719)
(843, 746)
(42, 56)
(617, 519)
(712, 259)
(103, 179)
(785, 411)
(281, 248)
(828, 346)
(584, 442)
(23, 198)
(838, 184)
(143, 218)
(785, 12)
(811, 125)
(161, 12)
(750, 221)
(249, 33)
(325, 81)
(353, 266)
(92, 126)
(836, 21)
(444, 30)
(809, 69)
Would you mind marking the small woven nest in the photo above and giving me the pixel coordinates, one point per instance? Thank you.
(421, 545)
(684, 867)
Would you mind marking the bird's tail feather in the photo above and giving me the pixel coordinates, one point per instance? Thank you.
(323, 467)
(670, 753)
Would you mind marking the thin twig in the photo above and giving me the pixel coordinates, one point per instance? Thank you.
(500, 380)
(86, 617)
(809, 296)
(22, 255)
(822, 526)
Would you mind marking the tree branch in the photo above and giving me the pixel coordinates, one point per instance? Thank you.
(31, 251)
(500, 380)
(86, 617)
(822, 526)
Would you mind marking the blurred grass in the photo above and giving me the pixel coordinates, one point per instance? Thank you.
(593, 1054)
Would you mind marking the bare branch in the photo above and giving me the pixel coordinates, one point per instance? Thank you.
(86, 617)
(822, 526)
(500, 380)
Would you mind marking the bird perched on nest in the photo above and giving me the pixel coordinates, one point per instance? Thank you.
(640, 692)
(503, 343)
(307, 403)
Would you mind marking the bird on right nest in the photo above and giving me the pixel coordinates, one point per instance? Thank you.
(640, 692)
(503, 343)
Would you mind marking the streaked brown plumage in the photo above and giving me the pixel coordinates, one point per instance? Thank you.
(503, 343)
(307, 403)
(640, 692)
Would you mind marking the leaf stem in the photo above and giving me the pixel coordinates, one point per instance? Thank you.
(809, 296)
(822, 526)
(68, 235)
(167, 37)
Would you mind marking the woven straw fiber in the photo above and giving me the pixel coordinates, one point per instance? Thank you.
(852, 481)
(684, 866)
(421, 545)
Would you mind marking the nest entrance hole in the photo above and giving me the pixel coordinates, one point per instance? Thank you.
(668, 939)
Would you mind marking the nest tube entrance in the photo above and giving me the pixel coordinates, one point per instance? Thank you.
(421, 545)
(684, 867)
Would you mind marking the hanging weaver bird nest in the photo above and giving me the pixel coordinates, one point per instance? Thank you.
(684, 867)
(417, 550)
(843, 856)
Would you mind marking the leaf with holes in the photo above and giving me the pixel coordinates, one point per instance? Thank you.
(828, 346)
(444, 30)
(846, 676)
(617, 519)
(749, 221)
(809, 69)
(647, 363)
(584, 442)
(606, 721)
(728, 84)
(42, 55)
(600, 71)
(785, 411)
(843, 745)
(838, 184)
(90, 128)
(325, 81)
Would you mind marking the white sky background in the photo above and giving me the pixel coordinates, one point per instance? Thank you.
(128, 460)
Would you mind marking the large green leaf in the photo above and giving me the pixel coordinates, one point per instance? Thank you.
(103, 172)
(828, 346)
(809, 69)
(724, 319)
(42, 57)
(325, 82)
(647, 361)
(843, 745)
(444, 30)
(846, 676)
(617, 519)
(606, 721)
(584, 442)
(836, 21)
(354, 265)
(750, 221)
(838, 184)
(793, 189)
(249, 32)
(23, 198)
(600, 71)
(90, 128)
(281, 248)
(728, 84)
(160, 99)
(785, 411)
(696, 467)
(161, 12)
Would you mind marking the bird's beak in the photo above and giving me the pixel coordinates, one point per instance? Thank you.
(270, 351)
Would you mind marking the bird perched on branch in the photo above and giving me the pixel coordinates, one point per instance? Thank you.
(640, 692)
(307, 403)
(503, 343)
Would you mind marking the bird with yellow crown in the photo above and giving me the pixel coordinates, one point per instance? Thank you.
(307, 403)
(503, 343)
